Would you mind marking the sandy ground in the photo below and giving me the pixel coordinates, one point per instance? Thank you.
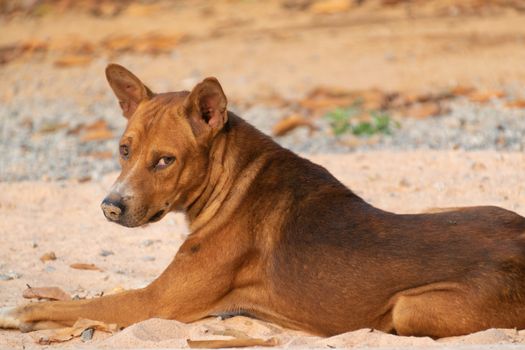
(64, 217)
(257, 48)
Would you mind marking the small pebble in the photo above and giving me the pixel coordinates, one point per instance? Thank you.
(148, 258)
(147, 242)
(404, 183)
(49, 268)
(87, 334)
(105, 252)
(10, 275)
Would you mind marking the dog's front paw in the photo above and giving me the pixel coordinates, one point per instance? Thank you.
(8, 318)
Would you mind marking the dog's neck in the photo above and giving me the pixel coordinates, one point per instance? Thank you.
(234, 160)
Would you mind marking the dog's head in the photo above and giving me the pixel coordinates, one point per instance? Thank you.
(164, 151)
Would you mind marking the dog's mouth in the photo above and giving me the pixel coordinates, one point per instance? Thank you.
(157, 216)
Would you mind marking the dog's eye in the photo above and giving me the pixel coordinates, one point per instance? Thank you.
(164, 162)
(124, 151)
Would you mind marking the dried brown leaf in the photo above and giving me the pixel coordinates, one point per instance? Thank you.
(149, 44)
(372, 99)
(325, 7)
(48, 256)
(326, 91)
(72, 45)
(10, 53)
(52, 127)
(462, 90)
(423, 110)
(290, 123)
(115, 290)
(156, 44)
(84, 266)
(97, 131)
(231, 343)
(84, 179)
(118, 43)
(97, 135)
(65, 334)
(478, 166)
(141, 10)
(99, 124)
(485, 96)
(100, 155)
(73, 60)
(51, 293)
(516, 104)
(325, 103)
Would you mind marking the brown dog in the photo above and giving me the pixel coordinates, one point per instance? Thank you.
(277, 237)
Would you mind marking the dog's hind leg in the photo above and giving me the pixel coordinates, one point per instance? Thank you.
(444, 313)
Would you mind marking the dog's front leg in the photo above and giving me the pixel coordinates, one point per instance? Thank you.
(189, 289)
(123, 309)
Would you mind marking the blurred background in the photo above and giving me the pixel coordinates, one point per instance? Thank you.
(321, 76)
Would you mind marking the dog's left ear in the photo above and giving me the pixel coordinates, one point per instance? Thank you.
(206, 106)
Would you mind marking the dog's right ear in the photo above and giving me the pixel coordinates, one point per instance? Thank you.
(130, 91)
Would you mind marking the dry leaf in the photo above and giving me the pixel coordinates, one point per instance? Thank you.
(423, 110)
(119, 43)
(73, 60)
(150, 43)
(141, 10)
(115, 290)
(231, 343)
(65, 334)
(96, 125)
(97, 131)
(51, 293)
(330, 6)
(296, 4)
(323, 98)
(230, 332)
(288, 124)
(478, 166)
(100, 155)
(516, 104)
(324, 103)
(485, 96)
(52, 127)
(156, 44)
(48, 256)
(83, 266)
(9, 53)
(106, 9)
(72, 45)
(372, 99)
(97, 135)
(84, 179)
(462, 90)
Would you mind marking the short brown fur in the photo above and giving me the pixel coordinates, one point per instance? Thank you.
(279, 238)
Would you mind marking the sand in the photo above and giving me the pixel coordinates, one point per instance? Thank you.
(64, 217)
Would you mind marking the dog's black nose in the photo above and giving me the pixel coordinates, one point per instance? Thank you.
(113, 207)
